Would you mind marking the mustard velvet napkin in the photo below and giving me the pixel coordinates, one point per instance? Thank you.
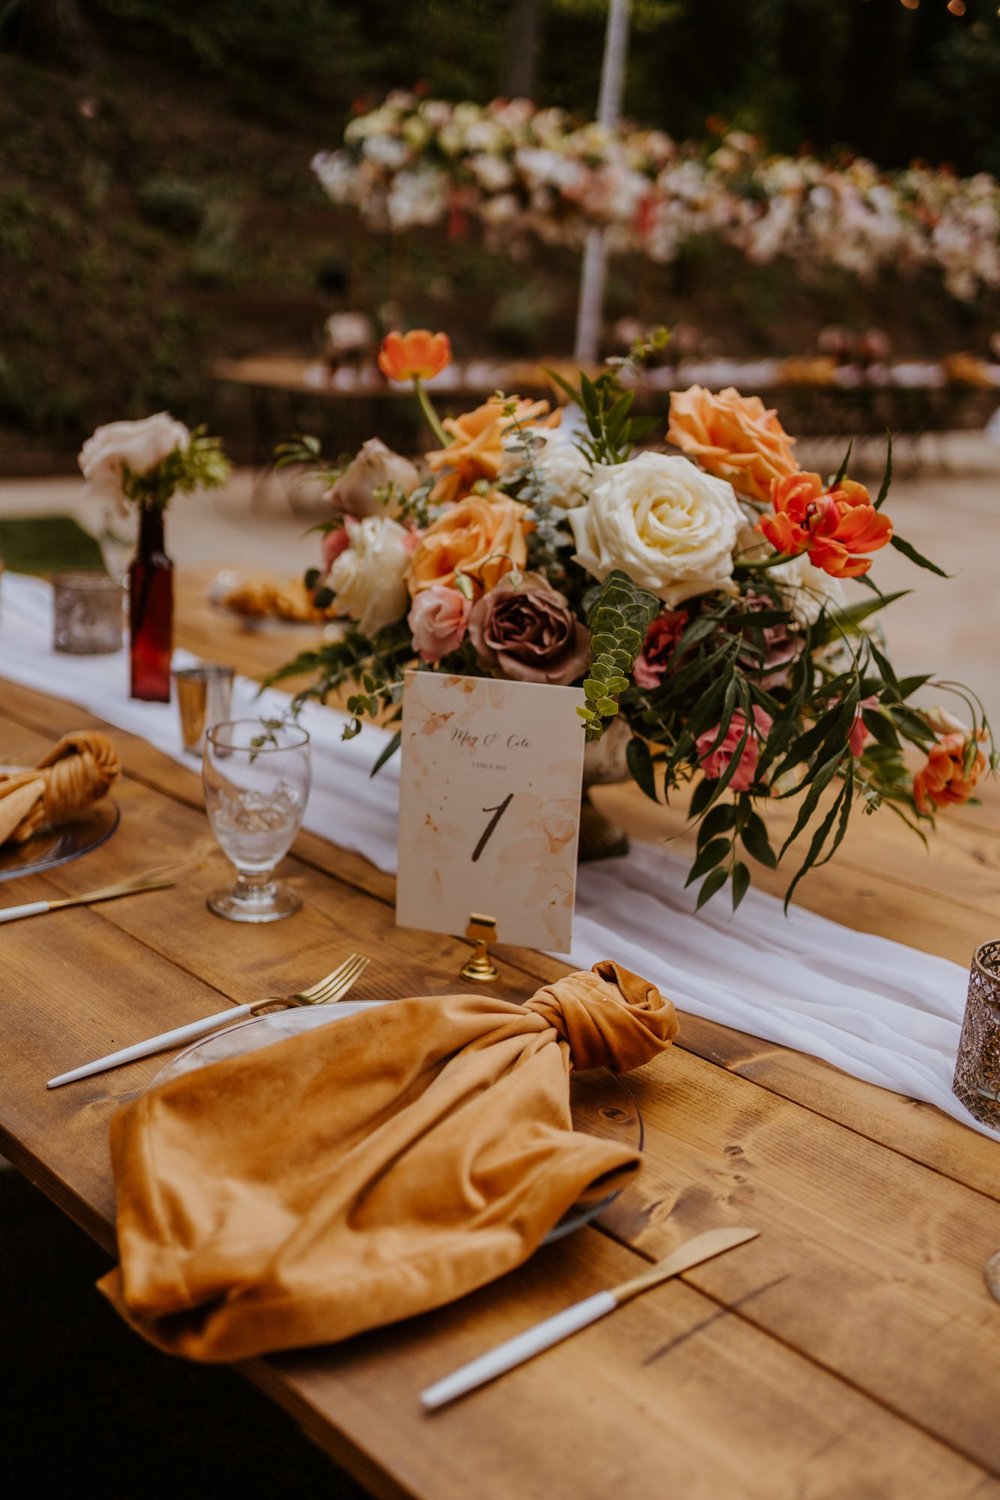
(367, 1170)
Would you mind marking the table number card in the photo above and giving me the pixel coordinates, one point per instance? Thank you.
(489, 808)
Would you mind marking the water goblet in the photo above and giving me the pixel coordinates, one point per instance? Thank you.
(256, 780)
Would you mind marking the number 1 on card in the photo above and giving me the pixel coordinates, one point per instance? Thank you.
(491, 826)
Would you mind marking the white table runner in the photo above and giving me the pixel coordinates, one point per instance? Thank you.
(877, 1009)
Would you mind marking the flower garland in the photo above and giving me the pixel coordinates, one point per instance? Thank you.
(524, 172)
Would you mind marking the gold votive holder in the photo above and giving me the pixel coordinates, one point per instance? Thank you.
(204, 695)
(86, 612)
(977, 1066)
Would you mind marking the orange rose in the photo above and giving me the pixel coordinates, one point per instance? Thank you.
(833, 526)
(417, 355)
(732, 436)
(476, 447)
(482, 537)
(945, 780)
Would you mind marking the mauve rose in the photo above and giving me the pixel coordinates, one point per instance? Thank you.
(374, 468)
(524, 630)
(438, 619)
(715, 762)
(651, 664)
(781, 647)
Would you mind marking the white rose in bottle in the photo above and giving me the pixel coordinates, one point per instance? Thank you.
(368, 577)
(670, 527)
(138, 446)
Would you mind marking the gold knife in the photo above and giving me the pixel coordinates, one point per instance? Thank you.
(106, 893)
(526, 1345)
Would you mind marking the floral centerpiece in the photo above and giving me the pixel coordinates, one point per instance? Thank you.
(137, 467)
(698, 595)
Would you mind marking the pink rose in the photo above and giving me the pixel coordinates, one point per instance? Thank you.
(715, 762)
(651, 664)
(858, 734)
(438, 619)
(334, 543)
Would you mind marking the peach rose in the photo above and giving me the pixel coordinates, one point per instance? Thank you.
(482, 538)
(476, 450)
(945, 780)
(732, 436)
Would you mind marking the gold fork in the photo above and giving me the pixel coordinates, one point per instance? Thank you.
(333, 987)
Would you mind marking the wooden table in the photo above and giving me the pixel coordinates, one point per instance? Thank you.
(851, 1351)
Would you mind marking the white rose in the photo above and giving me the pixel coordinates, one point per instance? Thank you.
(564, 471)
(561, 469)
(368, 577)
(670, 527)
(372, 470)
(138, 446)
(806, 589)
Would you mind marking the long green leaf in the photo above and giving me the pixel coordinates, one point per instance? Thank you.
(908, 550)
(386, 754)
(887, 476)
(641, 768)
(714, 852)
(714, 881)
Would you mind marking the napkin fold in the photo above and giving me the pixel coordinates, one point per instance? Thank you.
(78, 770)
(368, 1170)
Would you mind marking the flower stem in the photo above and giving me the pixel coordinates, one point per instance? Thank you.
(429, 412)
(767, 562)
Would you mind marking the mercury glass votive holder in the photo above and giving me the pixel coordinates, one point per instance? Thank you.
(977, 1066)
(87, 612)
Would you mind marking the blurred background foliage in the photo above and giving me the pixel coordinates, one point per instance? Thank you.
(157, 208)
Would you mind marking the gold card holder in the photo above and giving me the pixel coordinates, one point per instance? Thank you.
(480, 967)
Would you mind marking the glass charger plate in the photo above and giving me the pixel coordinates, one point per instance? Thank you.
(56, 846)
(600, 1102)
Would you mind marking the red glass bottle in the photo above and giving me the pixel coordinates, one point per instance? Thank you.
(151, 611)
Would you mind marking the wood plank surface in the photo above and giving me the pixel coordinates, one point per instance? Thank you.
(852, 1350)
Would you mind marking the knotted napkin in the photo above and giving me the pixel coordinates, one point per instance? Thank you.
(366, 1170)
(77, 771)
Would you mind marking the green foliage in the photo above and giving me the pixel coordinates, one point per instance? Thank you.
(606, 409)
(619, 615)
(372, 667)
(201, 465)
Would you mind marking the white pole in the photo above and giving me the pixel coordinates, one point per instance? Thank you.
(609, 108)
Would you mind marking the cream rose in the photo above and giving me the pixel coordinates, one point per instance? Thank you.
(368, 578)
(807, 590)
(137, 446)
(557, 463)
(374, 471)
(670, 527)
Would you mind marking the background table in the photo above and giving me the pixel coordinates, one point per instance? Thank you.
(852, 1350)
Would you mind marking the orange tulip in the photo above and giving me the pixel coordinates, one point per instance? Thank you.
(417, 355)
(833, 526)
(944, 780)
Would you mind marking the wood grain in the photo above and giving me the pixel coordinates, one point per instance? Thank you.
(851, 1351)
